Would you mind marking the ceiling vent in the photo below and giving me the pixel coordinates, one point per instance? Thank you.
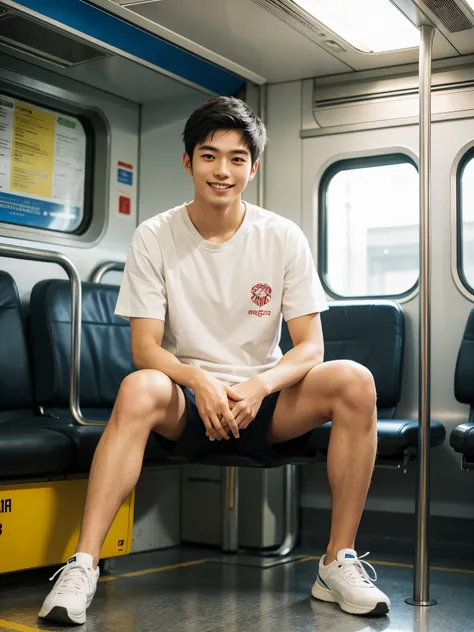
(43, 42)
(449, 14)
(290, 14)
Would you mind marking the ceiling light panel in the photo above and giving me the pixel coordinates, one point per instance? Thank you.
(371, 26)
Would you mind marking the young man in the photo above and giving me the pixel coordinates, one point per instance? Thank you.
(205, 287)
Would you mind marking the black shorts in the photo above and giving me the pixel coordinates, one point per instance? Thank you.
(253, 441)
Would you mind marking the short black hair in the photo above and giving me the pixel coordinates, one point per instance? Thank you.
(225, 113)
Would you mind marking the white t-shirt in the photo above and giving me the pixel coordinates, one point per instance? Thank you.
(221, 303)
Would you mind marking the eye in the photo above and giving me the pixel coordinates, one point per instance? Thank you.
(207, 156)
(239, 159)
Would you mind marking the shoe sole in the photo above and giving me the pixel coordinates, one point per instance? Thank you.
(323, 594)
(59, 614)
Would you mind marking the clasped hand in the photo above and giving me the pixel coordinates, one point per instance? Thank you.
(226, 409)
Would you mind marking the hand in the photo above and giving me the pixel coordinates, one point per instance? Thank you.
(212, 401)
(252, 393)
(245, 410)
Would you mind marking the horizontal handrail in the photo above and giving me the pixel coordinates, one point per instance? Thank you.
(47, 256)
(103, 268)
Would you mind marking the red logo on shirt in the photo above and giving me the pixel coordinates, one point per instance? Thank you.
(261, 294)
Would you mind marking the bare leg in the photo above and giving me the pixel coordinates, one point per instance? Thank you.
(351, 458)
(344, 392)
(147, 400)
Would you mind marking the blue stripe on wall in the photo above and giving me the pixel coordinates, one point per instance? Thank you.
(133, 40)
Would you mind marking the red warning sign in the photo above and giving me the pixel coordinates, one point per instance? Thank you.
(124, 205)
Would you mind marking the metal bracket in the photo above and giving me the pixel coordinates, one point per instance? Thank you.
(230, 539)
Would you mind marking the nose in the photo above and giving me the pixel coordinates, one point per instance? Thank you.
(221, 169)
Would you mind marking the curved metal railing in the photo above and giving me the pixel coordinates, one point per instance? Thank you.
(103, 268)
(47, 256)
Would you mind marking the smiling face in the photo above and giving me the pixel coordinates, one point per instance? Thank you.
(221, 168)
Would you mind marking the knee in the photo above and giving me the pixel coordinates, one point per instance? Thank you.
(142, 394)
(357, 388)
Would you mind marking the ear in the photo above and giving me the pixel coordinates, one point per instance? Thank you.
(187, 164)
(254, 170)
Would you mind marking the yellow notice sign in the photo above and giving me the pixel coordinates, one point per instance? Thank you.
(34, 134)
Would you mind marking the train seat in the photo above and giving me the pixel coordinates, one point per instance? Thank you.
(462, 437)
(372, 334)
(25, 448)
(105, 360)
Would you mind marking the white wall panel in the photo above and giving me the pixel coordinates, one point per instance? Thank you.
(292, 180)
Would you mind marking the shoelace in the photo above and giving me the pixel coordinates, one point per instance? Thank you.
(73, 580)
(356, 573)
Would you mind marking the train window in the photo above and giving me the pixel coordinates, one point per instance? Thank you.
(465, 223)
(368, 227)
(44, 167)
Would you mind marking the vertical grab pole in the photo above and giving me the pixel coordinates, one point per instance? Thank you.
(421, 592)
(261, 171)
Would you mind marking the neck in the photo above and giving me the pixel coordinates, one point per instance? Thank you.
(216, 223)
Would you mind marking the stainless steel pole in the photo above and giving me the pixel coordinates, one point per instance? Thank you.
(421, 593)
(261, 171)
(230, 518)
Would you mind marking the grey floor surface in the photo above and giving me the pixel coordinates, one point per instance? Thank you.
(184, 590)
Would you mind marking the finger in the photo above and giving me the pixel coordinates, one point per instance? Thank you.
(233, 394)
(225, 427)
(215, 437)
(212, 434)
(243, 419)
(237, 409)
(217, 425)
(209, 429)
(228, 419)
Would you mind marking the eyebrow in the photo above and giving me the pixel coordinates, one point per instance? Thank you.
(244, 152)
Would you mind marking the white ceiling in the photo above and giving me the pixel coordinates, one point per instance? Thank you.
(251, 41)
(247, 34)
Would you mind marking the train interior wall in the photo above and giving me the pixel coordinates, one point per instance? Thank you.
(148, 136)
(295, 165)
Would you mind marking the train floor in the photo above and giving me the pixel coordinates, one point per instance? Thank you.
(190, 590)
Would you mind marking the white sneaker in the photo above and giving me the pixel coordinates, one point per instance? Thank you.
(346, 582)
(73, 592)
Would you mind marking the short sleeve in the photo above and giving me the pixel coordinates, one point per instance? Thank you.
(302, 290)
(143, 288)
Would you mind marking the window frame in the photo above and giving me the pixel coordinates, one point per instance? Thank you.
(346, 164)
(463, 161)
(89, 170)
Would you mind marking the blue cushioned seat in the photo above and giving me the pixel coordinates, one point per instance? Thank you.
(462, 437)
(105, 360)
(25, 448)
(372, 334)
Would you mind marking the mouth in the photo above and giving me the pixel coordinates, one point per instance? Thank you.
(220, 188)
